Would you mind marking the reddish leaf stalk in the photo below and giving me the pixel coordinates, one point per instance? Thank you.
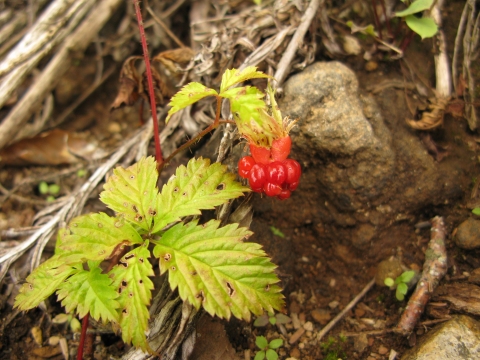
(377, 21)
(82, 337)
(151, 93)
(434, 270)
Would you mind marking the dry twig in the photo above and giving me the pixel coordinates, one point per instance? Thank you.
(434, 270)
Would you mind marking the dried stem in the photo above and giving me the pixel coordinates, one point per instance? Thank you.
(151, 92)
(434, 270)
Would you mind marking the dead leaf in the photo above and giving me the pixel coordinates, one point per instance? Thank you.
(175, 60)
(54, 147)
(431, 119)
(130, 85)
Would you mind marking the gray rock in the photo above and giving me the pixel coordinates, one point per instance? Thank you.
(468, 234)
(456, 339)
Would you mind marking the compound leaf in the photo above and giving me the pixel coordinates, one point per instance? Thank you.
(42, 282)
(213, 267)
(90, 291)
(234, 76)
(131, 281)
(198, 186)
(132, 192)
(188, 95)
(96, 236)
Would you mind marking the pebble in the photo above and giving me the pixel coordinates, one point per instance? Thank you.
(333, 304)
(302, 317)
(382, 350)
(322, 316)
(296, 335)
(308, 326)
(371, 66)
(360, 343)
(295, 321)
(294, 307)
(295, 353)
(333, 282)
(114, 127)
(468, 234)
(37, 335)
(53, 340)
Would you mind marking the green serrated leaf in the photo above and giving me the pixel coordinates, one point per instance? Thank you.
(132, 192)
(188, 95)
(259, 355)
(90, 291)
(131, 280)
(234, 76)
(261, 342)
(415, 7)
(42, 283)
(271, 354)
(425, 27)
(198, 186)
(212, 267)
(275, 343)
(95, 236)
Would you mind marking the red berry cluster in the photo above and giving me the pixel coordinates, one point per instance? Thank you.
(269, 171)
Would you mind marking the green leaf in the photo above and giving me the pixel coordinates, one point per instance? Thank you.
(271, 354)
(277, 232)
(132, 192)
(402, 288)
(42, 283)
(131, 281)
(282, 319)
(425, 27)
(389, 281)
(476, 211)
(415, 7)
(213, 267)
(188, 95)
(275, 343)
(43, 188)
(96, 236)
(246, 102)
(259, 355)
(54, 189)
(90, 291)
(199, 186)
(407, 276)
(261, 320)
(234, 76)
(272, 320)
(261, 342)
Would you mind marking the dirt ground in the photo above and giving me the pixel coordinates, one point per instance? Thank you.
(320, 271)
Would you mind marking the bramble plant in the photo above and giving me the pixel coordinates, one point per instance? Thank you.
(49, 190)
(268, 350)
(400, 283)
(423, 26)
(209, 264)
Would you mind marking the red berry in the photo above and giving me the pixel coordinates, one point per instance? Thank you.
(276, 173)
(260, 154)
(293, 171)
(281, 148)
(271, 189)
(293, 186)
(245, 165)
(284, 194)
(257, 177)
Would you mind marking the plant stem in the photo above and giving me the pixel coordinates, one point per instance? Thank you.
(82, 336)
(377, 21)
(151, 93)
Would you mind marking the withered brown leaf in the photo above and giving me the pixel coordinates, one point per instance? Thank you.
(130, 85)
(431, 119)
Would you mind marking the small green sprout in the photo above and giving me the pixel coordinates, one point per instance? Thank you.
(333, 349)
(476, 211)
(423, 26)
(272, 319)
(50, 190)
(267, 350)
(72, 321)
(277, 232)
(401, 283)
(81, 173)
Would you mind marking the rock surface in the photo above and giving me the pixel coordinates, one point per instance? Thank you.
(468, 234)
(456, 339)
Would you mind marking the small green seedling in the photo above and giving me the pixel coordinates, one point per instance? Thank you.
(267, 350)
(423, 26)
(476, 211)
(401, 283)
(333, 349)
(50, 190)
(82, 173)
(272, 319)
(277, 232)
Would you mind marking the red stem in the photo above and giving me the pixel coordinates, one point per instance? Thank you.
(151, 93)
(82, 337)
(377, 21)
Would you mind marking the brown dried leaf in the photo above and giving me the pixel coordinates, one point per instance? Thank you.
(130, 85)
(50, 148)
(431, 119)
(176, 59)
